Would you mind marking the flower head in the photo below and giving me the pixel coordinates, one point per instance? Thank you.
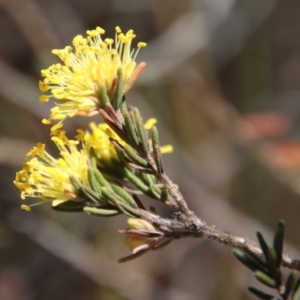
(48, 178)
(89, 65)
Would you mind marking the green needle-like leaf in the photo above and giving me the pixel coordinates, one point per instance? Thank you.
(118, 201)
(151, 183)
(164, 196)
(156, 150)
(271, 261)
(100, 212)
(124, 107)
(247, 261)
(91, 195)
(266, 279)
(131, 128)
(263, 244)
(137, 181)
(260, 263)
(141, 130)
(100, 178)
(127, 210)
(124, 195)
(155, 190)
(120, 154)
(111, 195)
(134, 156)
(118, 95)
(290, 284)
(155, 137)
(75, 183)
(93, 159)
(94, 184)
(103, 96)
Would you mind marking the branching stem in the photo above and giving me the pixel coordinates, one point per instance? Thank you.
(184, 223)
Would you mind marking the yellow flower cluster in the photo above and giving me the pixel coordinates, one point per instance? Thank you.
(48, 178)
(88, 66)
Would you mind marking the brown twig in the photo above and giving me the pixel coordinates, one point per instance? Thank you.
(182, 229)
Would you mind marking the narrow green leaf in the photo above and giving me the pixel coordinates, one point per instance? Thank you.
(151, 182)
(290, 284)
(265, 279)
(155, 137)
(261, 294)
(134, 156)
(100, 212)
(164, 196)
(278, 241)
(136, 181)
(93, 160)
(104, 99)
(117, 101)
(246, 260)
(75, 183)
(124, 106)
(94, 184)
(131, 128)
(120, 155)
(111, 195)
(100, 178)
(149, 178)
(271, 261)
(129, 211)
(91, 195)
(124, 195)
(260, 263)
(141, 130)
(122, 205)
(156, 150)
(155, 190)
(263, 244)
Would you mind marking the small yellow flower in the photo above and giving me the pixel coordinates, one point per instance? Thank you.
(48, 178)
(90, 64)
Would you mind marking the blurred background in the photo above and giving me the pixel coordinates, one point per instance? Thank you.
(223, 80)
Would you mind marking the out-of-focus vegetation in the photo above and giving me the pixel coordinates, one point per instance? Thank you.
(223, 80)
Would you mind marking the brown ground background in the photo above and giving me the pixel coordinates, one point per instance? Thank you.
(216, 73)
